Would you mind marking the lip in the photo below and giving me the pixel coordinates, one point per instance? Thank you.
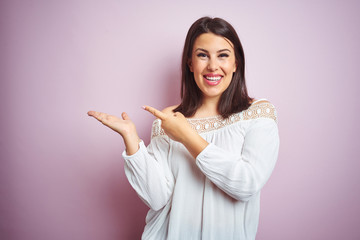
(212, 83)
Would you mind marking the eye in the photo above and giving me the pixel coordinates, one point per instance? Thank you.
(224, 55)
(201, 55)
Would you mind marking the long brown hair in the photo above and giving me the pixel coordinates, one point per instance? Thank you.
(235, 98)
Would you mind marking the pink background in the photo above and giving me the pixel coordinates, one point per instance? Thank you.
(61, 173)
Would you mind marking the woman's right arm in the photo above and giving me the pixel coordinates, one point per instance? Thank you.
(146, 168)
(125, 127)
(149, 174)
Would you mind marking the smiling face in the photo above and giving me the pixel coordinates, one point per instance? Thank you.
(213, 64)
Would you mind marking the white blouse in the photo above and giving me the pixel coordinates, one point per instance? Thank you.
(217, 195)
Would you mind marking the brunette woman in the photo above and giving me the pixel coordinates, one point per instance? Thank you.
(209, 156)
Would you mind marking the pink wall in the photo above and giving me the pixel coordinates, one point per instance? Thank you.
(62, 173)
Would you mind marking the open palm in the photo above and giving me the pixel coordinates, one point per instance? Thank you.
(123, 125)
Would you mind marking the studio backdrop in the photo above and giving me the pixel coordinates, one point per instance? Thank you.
(61, 172)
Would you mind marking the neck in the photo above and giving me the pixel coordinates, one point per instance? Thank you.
(208, 108)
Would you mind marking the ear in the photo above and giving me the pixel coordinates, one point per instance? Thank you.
(190, 65)
(235, 67)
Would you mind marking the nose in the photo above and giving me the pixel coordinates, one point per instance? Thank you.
(212, 65)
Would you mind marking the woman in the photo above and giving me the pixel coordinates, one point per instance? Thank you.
(208, 157)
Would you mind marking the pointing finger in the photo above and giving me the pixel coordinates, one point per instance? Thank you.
(155, 112)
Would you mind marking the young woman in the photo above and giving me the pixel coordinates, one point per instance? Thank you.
(209, 157)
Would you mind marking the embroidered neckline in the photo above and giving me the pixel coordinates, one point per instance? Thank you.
(201, 125)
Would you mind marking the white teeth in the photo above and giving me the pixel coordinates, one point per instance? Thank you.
(213, 78)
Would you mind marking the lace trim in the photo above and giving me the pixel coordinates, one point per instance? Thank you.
(261, 110)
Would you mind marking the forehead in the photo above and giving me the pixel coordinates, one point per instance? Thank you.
(212, 42)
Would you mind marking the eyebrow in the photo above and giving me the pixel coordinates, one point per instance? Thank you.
(204, 50)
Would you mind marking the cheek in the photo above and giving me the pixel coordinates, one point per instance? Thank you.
(230, 67)
(198, 66)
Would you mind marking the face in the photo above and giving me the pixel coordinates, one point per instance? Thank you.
(213, 64)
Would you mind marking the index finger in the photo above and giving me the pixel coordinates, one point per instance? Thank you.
(155, 112)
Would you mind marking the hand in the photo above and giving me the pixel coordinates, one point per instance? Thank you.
(125, 127)
(175, 124)
(177, 128)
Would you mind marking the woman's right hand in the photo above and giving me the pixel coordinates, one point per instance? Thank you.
(125, 127)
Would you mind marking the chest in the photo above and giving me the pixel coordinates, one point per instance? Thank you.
(183, 164)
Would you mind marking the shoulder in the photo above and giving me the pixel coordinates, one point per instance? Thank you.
(169, 109)
(156, 129)
(259, 101)
(261, 108)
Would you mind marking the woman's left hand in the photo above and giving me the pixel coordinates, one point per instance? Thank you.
(175, 124)
(178, 129)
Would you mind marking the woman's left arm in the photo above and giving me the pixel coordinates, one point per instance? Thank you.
(240, 176)
(243, 176)
(178, 129)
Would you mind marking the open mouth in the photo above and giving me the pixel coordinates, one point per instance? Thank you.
(212, 80)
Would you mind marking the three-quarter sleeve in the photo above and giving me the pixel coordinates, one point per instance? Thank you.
(243, 176)
(148, 173)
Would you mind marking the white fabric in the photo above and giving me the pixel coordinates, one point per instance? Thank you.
(217, 195)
